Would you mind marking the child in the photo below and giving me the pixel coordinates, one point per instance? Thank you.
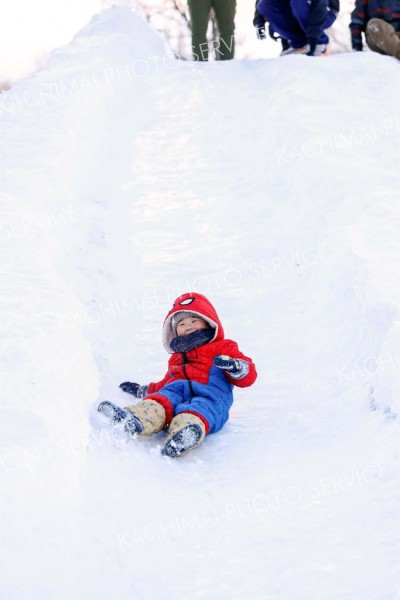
(195, 395)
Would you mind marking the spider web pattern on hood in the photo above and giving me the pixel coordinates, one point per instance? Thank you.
(198, 305)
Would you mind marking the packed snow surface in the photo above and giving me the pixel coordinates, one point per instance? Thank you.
(271, 186)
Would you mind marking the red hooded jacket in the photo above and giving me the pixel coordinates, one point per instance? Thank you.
(197, 364)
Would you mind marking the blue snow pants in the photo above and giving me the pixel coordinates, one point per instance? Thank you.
(290, 19)
(212, 401)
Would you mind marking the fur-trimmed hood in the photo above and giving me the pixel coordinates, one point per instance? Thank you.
(198, 305)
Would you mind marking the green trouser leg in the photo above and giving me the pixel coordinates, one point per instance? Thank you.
(225, 15)
(199, 16)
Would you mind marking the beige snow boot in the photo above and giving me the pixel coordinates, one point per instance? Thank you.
(151, 416)
(185, 432)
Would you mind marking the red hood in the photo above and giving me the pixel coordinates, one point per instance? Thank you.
(195, 303)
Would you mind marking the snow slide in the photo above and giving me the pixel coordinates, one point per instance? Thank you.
(272, 186)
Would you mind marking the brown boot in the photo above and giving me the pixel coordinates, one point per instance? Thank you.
(185, 432)
(382, 37)
(150, 414)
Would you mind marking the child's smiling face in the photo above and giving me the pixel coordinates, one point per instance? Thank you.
(190, 324)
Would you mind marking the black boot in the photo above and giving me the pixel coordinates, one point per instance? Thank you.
(285, 44)
(115, 414)
(182, 441)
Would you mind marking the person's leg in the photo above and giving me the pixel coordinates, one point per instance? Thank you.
(212, 410)
(144, 418)
(151, 415)
(199, 17)
(225, 11)
(301, 12)
(381, 37)
(205, 413)
(204, 401)
(186, 431)
(186, 427)
(279, 15)
(172, 396)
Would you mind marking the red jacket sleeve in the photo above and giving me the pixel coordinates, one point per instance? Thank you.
(230, 348)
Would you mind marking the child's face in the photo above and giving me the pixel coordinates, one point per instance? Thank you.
(190, 324)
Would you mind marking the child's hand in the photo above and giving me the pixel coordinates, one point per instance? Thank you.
(227, 363)
(137, 390)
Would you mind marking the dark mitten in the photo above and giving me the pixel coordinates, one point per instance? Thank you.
(260, 32)
(227, 363)
(259, 24)
(137, 390)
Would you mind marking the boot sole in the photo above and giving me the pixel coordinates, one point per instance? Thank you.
(133, 426)
(112, 412)
(182, 441)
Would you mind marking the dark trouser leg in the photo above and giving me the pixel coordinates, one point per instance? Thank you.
(199, 16)
(301, 12)
(381, 37)
(279, 15)
(225, 11)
